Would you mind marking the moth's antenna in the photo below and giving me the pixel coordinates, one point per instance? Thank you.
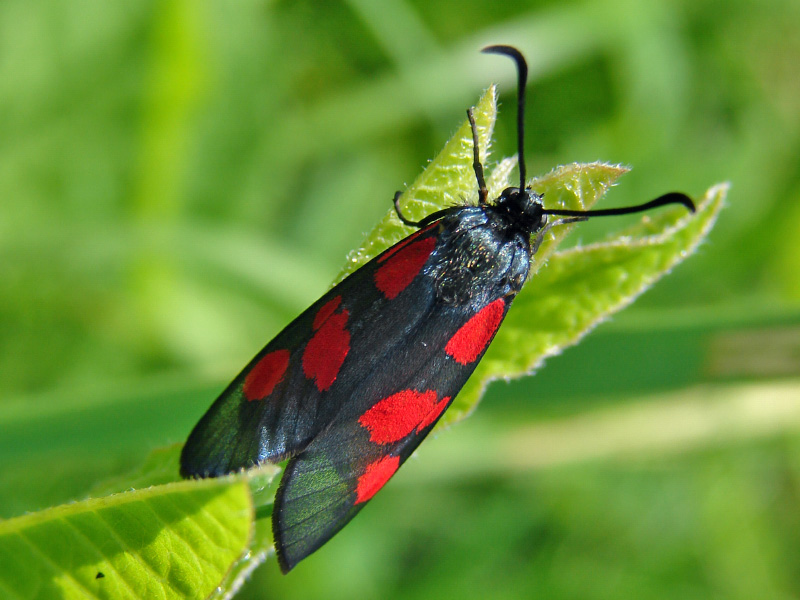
(670, 198)
(522, 80)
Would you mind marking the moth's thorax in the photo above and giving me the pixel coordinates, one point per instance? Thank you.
(482, 254)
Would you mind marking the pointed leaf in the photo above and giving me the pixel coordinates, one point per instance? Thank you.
(447, 181)
(580, 287)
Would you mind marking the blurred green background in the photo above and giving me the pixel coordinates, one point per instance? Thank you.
(179, 179)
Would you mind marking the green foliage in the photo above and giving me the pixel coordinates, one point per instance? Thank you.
(178, 180)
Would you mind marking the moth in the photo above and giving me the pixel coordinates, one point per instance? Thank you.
(349, 389)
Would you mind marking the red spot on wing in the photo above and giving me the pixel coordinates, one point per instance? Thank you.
(399, 246)
(328, 347)
(326, 311)
(402, 266)
(267, 373)
(405, 242)
(472, 338)
(375, 477)
(434, 413)
(394, 417)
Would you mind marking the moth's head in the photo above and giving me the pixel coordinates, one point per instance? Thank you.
(523, 208)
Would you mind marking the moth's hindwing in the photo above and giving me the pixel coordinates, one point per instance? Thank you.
(380, 425)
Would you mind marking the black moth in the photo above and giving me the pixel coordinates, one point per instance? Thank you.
(350, 388)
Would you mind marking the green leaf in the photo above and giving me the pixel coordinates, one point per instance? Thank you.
(177, 540)
(580, 287)
(162, 466)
